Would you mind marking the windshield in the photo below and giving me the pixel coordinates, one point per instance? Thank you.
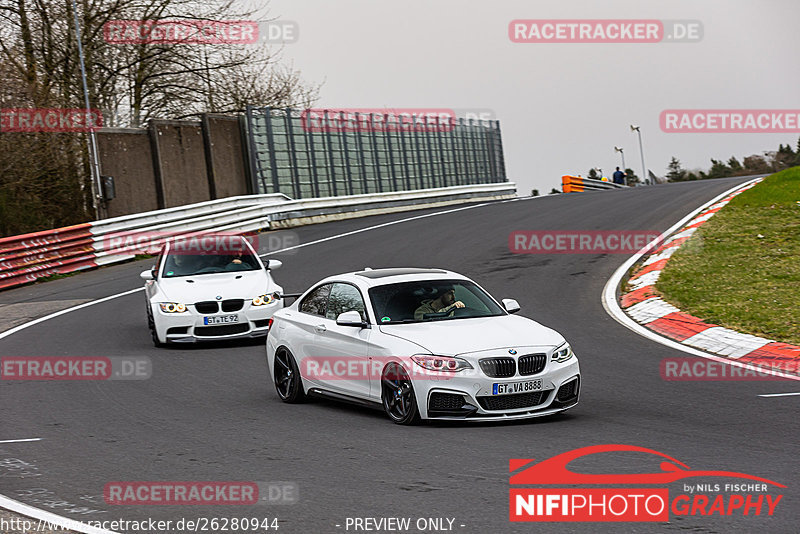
(183, 264)
(431, 300)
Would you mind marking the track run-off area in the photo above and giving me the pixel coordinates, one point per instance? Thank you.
(210, 413)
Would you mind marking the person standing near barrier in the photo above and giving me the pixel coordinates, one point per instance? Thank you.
(619, 177)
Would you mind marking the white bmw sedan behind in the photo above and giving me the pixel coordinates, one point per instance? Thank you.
(423, 343)
(210, 288)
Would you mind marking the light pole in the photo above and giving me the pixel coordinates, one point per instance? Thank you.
(622, 153)
(641, 151)
(94, 159)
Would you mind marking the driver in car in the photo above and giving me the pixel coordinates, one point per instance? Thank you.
(444, 303)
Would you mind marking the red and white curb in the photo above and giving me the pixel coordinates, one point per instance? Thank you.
(646, 313)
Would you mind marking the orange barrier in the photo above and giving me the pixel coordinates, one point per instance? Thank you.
(577, 184)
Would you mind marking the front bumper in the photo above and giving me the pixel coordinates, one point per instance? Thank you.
(439, 399)
(189, 327)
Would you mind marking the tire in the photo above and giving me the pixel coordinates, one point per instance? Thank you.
(288, 383)
(152, 325)
(397, 395)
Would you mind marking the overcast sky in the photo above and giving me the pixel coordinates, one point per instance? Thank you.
(562, 107)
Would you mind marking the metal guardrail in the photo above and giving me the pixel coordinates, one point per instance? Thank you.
(26, 258)
(577, 184)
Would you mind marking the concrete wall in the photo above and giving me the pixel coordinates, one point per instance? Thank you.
(181, 157)
(125, 155)
(173, 163)
(226, 152)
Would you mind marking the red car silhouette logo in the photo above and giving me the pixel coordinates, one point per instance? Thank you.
(554, 470)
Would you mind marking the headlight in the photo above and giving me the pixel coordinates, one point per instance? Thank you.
(172, 307)
(262, 300)
(562, 353)
(440, 363)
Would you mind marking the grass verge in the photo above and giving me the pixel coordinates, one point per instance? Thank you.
(741, 269)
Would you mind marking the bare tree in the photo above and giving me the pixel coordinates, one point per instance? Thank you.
(129, 83)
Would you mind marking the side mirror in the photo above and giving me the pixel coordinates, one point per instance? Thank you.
(350, 318)
(271, 265)
(146, 275)
(511, 305)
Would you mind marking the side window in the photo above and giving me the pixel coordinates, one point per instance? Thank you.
(344, 298)
(316, 301)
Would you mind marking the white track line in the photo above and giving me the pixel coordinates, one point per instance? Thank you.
(779, 394)
(49, 517)
(23, 326)
(43, 515)
(609, 298)
(19, 440)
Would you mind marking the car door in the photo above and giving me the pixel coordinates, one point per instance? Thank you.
(344, 348)
(298, 328)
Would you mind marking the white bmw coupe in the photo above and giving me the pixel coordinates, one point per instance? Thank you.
(424, 344)
(210, 288)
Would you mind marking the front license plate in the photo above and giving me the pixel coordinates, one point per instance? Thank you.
(221, 319)
(509, 388)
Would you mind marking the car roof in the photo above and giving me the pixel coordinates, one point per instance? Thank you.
(384, 273)
(378, 277)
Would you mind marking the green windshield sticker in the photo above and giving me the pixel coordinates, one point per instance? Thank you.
(386, 319)
(170, 273)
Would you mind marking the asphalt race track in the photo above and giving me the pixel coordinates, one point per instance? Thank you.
(209, 413)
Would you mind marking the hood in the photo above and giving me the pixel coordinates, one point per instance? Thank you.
(235, 285)
(460, 336)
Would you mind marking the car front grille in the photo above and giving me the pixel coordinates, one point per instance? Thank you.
(511, 402)
(530, 364)
(221, 330)
(232, 305)
(208, 306)
(498, 367)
